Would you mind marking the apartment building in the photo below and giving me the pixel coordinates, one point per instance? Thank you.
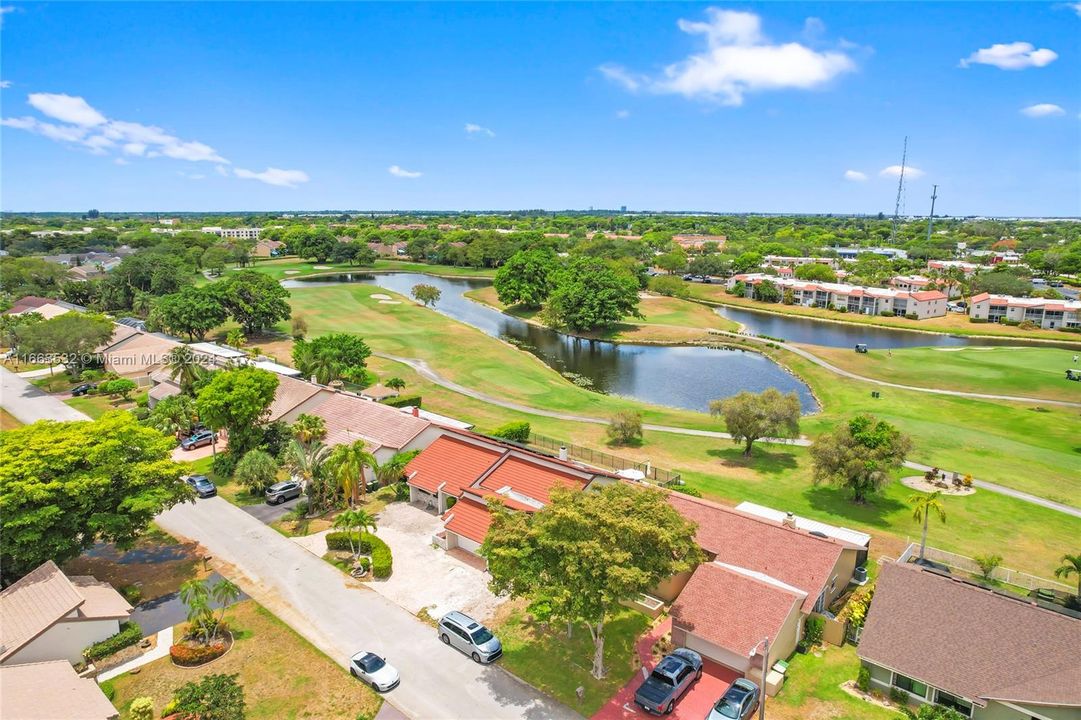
(966, 267)
(1047, 314)
(779, 261)
(851, 253)
(855, 299)
(234, 233)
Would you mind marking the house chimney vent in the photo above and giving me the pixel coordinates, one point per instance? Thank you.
(789, 521)
(416, 411)
(563, 454)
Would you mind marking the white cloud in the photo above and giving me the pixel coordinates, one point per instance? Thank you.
(1076, 8)
(5, 84)
(66, 108)
(738, 59)
(474, 129)
(895, 171)
(623, 114)
(401, 172)
(191, 176)
(274, 176)
(1042, 110)
(1011, 56)
(135, 148)
(4, 11)
(855, 176)
(121, 161)
(220, 169)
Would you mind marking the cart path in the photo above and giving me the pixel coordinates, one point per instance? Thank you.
(424, 370)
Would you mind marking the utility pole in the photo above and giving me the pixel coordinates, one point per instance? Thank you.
(931, 220)
(900, 190)
(762, 681)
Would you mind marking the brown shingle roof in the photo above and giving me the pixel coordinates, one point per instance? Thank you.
(138, 354)
(971, 641)
(51, 690)
(792, 556)
(29, 302)
(290, 393)
(32, 605)
(732, 610)
(351, 418)
(102, 601)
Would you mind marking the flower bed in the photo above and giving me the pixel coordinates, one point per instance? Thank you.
(187, 653)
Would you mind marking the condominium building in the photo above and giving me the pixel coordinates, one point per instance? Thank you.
(780, 261)
(864, 300)
(918, 283)
(851, 253)
(234, 233)
(1048, 314)
(966, 267)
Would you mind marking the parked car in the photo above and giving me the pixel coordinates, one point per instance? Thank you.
(738, 703)
(197, 439)
(83, 389)
(688, 276)
(672, 677)
(466, 634)
(280, 492)
(374, 670)
(202, 485)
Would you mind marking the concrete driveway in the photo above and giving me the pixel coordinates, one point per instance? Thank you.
(340, 616)
(269, 513)
(426, 576)
(29, 404)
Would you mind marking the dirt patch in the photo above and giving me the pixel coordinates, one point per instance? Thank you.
(918, 482)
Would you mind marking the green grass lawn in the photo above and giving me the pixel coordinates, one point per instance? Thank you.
(277, 268)
(230, 490)
(1022, 371)
(283, 675)
(97, 405)
(546, 659)
(813, 689)
(952, 323)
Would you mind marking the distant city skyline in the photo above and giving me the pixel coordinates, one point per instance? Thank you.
(751, 108)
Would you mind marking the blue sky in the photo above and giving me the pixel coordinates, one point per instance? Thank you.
(771, 107)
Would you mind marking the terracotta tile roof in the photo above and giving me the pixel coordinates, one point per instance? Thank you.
(51, 690)
(980, 298)
(29, 302)
(450, 460)
(925, 295)
(290, 393)
(971, 641)
(349, 418)
(468, 519)
(482, 494)
(792, 556)
(32, 605)
(529, 476)
(732, 610)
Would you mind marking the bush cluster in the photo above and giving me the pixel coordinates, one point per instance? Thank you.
(404, 401)
(382, 560)
(887, 313)
(130, 633)
(196, 654)
(515, 431)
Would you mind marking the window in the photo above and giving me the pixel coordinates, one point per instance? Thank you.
(952, 701)
(915, 687)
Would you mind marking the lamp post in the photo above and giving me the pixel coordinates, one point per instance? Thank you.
(762, 679)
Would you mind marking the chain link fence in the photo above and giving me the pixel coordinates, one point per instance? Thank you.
(604, 459)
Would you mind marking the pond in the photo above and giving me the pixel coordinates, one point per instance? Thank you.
(677, 376)
(838, 334)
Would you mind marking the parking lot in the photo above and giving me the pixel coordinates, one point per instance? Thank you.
(695, 703)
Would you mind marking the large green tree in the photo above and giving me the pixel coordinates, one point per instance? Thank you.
(64, 485)
(254, 300)
(239, 401)
(71, 338)
(751, 416)
(588, 551)
(194, 311)
(527, 277)
(213, 697)
(591, 293)
(859, 455)
(335, 356)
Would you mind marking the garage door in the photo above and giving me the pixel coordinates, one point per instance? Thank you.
(717, 654)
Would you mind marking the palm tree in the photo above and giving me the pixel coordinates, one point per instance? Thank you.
(235, 338)
(390, 471)
(309, 428)
(195, 595)
(395, 383)
(922, 507)
(355, 520)
(1071, 565)
(173, 415)
(307, 462)
(347, 464)
(224, 593)
(184, 368)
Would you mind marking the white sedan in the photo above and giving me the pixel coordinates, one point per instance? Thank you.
(374, 670)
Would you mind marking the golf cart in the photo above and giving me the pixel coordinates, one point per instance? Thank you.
(861, 347)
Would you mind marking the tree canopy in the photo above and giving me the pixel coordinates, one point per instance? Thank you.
(587, 551)
(335, 356)
(527, 277)
(70, 338)
(591, 293)
(64, 485)
(194, 311)
(254, 300)
(749, 416)
(239, 401)
(859, 455)
(427, 294)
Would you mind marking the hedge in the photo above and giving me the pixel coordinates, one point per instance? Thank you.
(190, 655)
(404, 401)
(382, 560)
(516, 431)
(130, 633)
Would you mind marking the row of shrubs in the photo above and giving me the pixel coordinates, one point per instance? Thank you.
(404, 401)
(382, 560)
(192, 654)
(130, 633)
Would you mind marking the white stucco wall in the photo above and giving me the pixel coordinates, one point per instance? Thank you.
(65, 641)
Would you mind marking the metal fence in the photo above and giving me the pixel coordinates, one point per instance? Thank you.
(605, 460)
(969, 565)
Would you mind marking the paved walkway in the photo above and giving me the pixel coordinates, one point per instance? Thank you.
(43, 372)
(165, 639)
(29, 404)
(340, 617)
(427, 372)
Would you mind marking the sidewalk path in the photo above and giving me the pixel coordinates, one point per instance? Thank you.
(428, 373)
(29, 404)
(165, 639)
